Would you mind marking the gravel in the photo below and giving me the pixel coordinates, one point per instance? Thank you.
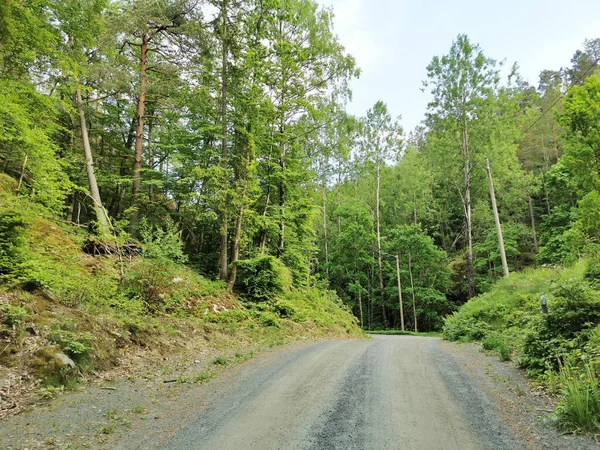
(389, 392)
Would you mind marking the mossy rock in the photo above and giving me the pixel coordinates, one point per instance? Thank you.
(53, 366)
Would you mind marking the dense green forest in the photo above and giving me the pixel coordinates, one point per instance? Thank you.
(220, 126)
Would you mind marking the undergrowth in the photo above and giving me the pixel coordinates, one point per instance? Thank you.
(561, 348)
(60, 307)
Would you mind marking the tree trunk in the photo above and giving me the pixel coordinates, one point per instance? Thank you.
(139, 135)
(101, 216)
(467, 207)
(22, 172)
(381, 287)
(497, 220)
(236, 244)
(360, 307)
(223, 215)
(223, 233)
(281, 244)
(535, 241)
(263, 241)
(325, 231)
(339, 202)
(238, 227)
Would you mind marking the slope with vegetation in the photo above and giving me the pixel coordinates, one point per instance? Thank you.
(66, 315)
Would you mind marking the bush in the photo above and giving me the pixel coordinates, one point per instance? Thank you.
(574, 309)
(151, 281)
(263, 278)
(457, 327)
(12, 244)
(12, 314)
(497, 343)
(76, 345)
(162, 241)
(268, 319)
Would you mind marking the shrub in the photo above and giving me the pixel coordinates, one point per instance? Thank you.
(12, 314)
(162, 241)
(458, 327)
(574, 309)
(151, 281)
(263, 278)
(12, 244)
(268, 319)
(76, 345)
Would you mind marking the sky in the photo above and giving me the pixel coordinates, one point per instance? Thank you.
(393, 41)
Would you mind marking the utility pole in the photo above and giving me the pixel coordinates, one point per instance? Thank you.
(497, 220)
(400, 292)
(412, 288)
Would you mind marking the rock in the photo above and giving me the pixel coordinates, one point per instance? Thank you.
(65, 360)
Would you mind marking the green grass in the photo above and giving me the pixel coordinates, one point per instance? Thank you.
(579, 408)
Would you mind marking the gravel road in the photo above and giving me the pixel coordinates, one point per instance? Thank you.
(390, 392)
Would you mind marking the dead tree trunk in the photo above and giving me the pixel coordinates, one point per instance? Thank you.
(497, 221)
(101, 215)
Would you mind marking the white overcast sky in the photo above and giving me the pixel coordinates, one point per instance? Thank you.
(394, 40)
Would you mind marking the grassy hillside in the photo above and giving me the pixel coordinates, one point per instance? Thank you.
(66, 315)
(560, 348)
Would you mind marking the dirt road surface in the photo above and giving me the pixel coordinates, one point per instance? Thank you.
(391, 392)
(388, 392)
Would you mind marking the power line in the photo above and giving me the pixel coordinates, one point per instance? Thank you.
(561, 97)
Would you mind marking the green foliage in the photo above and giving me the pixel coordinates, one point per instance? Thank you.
(496, 342)
(579, 407)
(28, 129)
(220, 361)
(268, 319)
(12, 244)
(561, 347)
(428, 265)
(263, 278)
(405, 333)
(77, 345)
(162, 241)
(574, 309)
(11, 315)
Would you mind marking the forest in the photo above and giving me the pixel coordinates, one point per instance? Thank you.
(219, 129)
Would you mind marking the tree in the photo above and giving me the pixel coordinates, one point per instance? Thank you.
(153, 28)
(424, 273)
(463, 84)
(379, 142)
